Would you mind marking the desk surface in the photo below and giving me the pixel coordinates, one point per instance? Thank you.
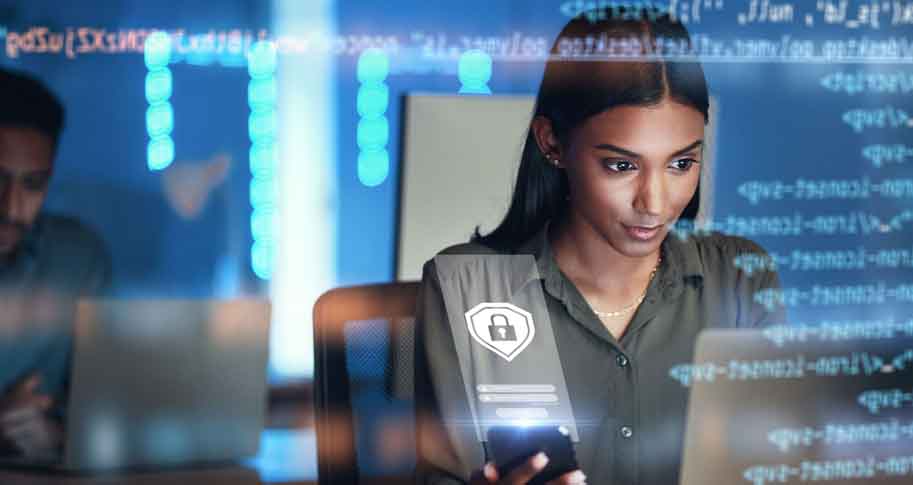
(286, 456)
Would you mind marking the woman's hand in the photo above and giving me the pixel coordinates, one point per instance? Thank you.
(524, 473)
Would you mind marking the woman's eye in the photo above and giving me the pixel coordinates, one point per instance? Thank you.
(619, 165)
(684, 164)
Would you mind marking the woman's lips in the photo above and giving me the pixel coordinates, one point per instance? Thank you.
(642, 233)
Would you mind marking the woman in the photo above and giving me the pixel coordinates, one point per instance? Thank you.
(611, 162)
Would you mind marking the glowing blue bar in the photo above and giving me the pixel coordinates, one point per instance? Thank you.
(263, 160)
(157, 50)
(263, 193)
(159, 120)
(373, 66)
(261, 93)
(262, 125)
(261, 224)
(372, 100)
(261, 259)
(262, 60)
(160, 153)
(373, 133)
(159, 85)
(373, 167)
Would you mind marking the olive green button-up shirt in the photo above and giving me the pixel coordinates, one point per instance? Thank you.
(630, 413)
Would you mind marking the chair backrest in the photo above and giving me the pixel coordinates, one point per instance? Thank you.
(363, 340)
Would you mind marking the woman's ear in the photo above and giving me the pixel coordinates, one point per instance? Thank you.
(546, 140)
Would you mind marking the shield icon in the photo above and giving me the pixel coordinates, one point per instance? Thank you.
(502, 328)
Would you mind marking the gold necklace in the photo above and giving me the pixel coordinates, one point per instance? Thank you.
(637, 302)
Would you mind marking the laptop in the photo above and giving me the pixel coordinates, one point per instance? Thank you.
(798, 405)
(164, 383)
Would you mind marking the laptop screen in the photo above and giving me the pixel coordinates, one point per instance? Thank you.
(800, 405)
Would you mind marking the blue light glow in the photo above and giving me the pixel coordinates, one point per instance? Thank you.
(262, 193)
(262, 127)
(158, 85)
(373, 133)
(160, 153)
(261, 259)
(373, 66)
(261, 60)
(474, 71)
(261, 93)
(159, 114)
(263, 160)
(159, 120)
(231, 59)
(261, 224)
(372, 100)
(157, 50)
(373, 167)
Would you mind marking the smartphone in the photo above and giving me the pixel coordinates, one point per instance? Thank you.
(511, 446)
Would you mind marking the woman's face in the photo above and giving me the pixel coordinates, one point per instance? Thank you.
(633, 170)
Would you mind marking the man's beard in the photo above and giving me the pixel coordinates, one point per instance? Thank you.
(11, 234)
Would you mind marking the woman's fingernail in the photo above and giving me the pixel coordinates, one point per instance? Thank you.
(578, 477)
(490, 472)
(540, 460)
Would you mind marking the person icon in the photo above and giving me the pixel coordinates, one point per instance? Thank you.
(474, 70)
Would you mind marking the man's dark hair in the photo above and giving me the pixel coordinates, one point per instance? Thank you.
(25, 101)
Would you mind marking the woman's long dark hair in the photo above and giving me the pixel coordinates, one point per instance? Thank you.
(587, 73)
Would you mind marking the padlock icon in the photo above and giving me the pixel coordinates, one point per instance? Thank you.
(503, 332)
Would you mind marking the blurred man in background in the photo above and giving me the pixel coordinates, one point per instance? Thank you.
(47, 262)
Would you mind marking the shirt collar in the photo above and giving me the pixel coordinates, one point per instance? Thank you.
(682, 264)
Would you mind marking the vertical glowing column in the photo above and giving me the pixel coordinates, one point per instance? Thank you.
(159, 114)
(261, 126)
(373, 128)
(305, 260)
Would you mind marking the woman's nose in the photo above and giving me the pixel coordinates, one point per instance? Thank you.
(651, 194)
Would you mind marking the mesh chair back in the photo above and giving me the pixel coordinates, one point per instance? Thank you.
(363, 347)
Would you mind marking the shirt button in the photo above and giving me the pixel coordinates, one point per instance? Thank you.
(622, 361)
(626, 432)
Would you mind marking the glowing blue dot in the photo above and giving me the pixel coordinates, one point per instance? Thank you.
(263, 193)
(263, 158)
(373, 133)
(160, 153)
(157, 50)
(262, 59)
(261, 93)
(372, 100)
(474, 71)
(159, 85)
(373, 167)
(261, 259)
(373, 66)
(261, 125)
(261, 224)
(159, 120)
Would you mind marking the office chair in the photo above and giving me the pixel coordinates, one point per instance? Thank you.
(363, 339)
